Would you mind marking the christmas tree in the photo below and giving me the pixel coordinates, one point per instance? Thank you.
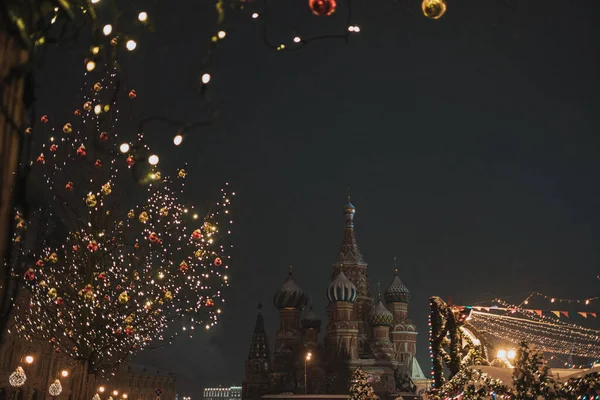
(361, 388)
(117, 267)
(530, 376)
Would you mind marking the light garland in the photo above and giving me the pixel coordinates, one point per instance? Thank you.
(559, 300)
(127, 273)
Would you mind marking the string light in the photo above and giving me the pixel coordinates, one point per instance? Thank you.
(90, 66)
(107, 29)
(124, 148)
(177, 140)
(205, 78)
(143, 16)
(131, 45)
(153, 159)
(221, 34)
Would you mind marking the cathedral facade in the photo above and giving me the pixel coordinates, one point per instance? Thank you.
(362, 331)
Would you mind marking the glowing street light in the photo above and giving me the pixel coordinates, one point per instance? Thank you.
(29, 359)
(306, 360)
(64, 373)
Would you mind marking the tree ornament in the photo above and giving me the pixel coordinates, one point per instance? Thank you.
(53, 148)
(322, 8)
(129, 319)
(168, 296)
(53, 258)
(103, 136)
(182, 173)
(433, 9)
(218, 262)
(129, 330)
(199, 253)
(77, 112)
(17, 378)
(210, 303)
(59, 301)
(183, 267)
(41, 159)
(69, 186)
(82, 151)
(55, 389)
(91, 200)
(164, 211)
(30, 274)
(114, 41)
(92, 246)
(143, 217)
(39, 263)
(106, 189)
(130, 161)
(97, 87)
(28, 131)
(44, 118)
(132, 94)
(68, 128)
(153, 237)
(43, 284)
(98, 163)
(87, 106)
(101, 276)
(197, 234)
(96, 397)
(123, 298)
(52, 293)
(131, 214)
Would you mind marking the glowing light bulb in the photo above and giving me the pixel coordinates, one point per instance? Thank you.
(124, 148)
(254, 15)
(153, 159)
(501, 353)
(131, 45)
(221, 34)
(143, 16)
(511, 354)
(97, 109)
(177, 140)
(107, 29)
(101, 389)
(29, 359)
(297, 39)
(95, 1)
(433, 9)
(64, 373)
(95, 50)
(115, 392)
(205, 78)
(90, 66)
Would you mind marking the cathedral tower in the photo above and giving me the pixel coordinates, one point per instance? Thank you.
(258, 364)
(342, 329)
(355, 268)
(404, 335)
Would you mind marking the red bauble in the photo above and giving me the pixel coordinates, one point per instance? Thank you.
(69, 187)
(183, 267)
(153, 237)
(210, 303)
(53, 148)
(197, 234)
(322, 8)
(41, 159)
(30, 274)
(75, 248)
(102, 276)
(39, 264)
(132, 94)
(98, 163)
(77, 112)
(218, 262)
(130, 161)
(81, 151)
(103, 136)
(59, 301)
(44, 118)
(92, 246)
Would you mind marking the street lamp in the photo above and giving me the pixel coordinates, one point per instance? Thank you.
(64, 373)
(306, 360)
(29, 359)
(101, 389)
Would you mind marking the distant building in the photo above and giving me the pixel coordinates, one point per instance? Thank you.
(364, 330)
(223, 393)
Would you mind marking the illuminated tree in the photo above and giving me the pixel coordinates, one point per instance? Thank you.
(118, 267)
(361, 388)
(530, 376)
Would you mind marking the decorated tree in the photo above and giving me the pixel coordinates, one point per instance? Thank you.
(361, 388)
(118, 267)
(585, 387)
(530, 376)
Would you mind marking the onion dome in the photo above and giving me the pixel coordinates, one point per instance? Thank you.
(396, 292)
(341, 289)
(380, 316)
(310, 320)
(290, 295)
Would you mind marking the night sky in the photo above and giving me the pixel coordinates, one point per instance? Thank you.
(471, 145)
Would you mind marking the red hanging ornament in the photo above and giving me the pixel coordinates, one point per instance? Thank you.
(39, 264)
(57, 350)
(30, 274)
(69, 187)
(98, 163)
(102, 276)
(128, 330)
(41, 159)
(103, 136)
(59, 301)
(183, 267)
(28, 131)
(75, 248)
(197, 234)
(210, 303)
(77, 112)
(322, 8)
(153, 237)
(118, 287)
(82, 151)
(92, 246)
(53, 148)
(44, 118)
(132, 94)
(218, 262)
(130, 161)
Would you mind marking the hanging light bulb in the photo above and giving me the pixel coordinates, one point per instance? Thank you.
(433, 9)
(90, 66)
(124, 148)
(322, 8)
(107, 29)
(131, 45)
(55, 389)
(17, 378)
(205, 78)
(143, 16)
(153, 159)
(177, 140)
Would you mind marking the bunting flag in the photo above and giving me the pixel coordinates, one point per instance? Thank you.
(593, 314)
(583, 314)
(538, 312)
(565, 313)
(557, 313)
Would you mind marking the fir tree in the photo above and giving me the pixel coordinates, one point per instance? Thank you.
(530, 376)
(361, 388)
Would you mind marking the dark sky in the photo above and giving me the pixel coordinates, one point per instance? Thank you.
(471, 144)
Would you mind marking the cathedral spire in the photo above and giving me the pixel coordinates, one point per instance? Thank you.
(259, 349)
(349, 251)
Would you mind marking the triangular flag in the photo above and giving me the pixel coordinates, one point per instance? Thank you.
(477, 308)
(565, 313)
(538, 312)
(583, 314)
(486, 308)
(593, 314)
(557, 313)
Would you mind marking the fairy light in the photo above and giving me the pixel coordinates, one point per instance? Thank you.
(177, 140)
(254, 15)
(90, 66)
(205, 78)
(107, 29)
(143, 16)
(131, 45)
(221, 34)
(121, 276)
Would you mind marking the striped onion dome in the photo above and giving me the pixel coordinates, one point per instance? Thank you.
(290, 295)
(396, 292)
(341, 289)
(310, 320)
(380, 316)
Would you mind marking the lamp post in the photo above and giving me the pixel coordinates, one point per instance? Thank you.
(306, 360)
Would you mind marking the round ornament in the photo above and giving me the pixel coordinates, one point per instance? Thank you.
(123, 298)
(153, 237)
(67, 128)
(30, 274)
(183, 267)
(131, 214)
(90, 200)
(52, 293)
(102, 276)
(69, 186)
(82, 151)
(322, 8)
(97, 86)
(132, 94)
(77, 112)
(55, 389)
(44, 118)
(53, 148)
(87, 106)
(143, 217)
(53, 258)
(39, 263)
(92, 246)
(130, 161)
(17, 378)
(164, 211)
(197, 234)
(103, 136)
(433, 9)
(210, 303)
(106, 189)
(182, 173)
(98, 163)
(168, 296)
(41, 159)
(59, 301)
(218, 262)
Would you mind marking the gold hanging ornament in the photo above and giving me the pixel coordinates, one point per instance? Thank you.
(106, 189)
(129, 319)
(53, 258)
(199, 253)
(67, 128)
(52, 293)
(164, 212)
(91, 200)
(143, 217)
(97, 86)
(55, 389)
(168, 296)
(433, 9)
(131, 214)
(17, 378)
(123, 298)
(87, 106)
(182, 173)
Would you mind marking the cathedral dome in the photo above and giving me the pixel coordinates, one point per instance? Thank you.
(310, 320)
(396, 292)
(341, 289)
(380, 316)
(290, 295)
